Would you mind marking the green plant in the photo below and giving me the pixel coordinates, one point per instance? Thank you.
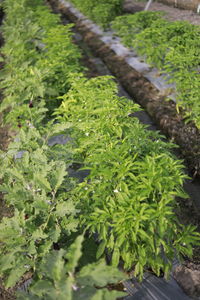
(102, 12)
(38, 188)
(58, 278)
(36, 185)
(129, 196)
(39, 57)
(171, 46)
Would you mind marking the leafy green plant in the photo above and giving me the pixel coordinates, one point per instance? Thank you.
(129, 196)
(102, 12)
(171, 46)
(60, 280)
(39, 57)
(36, 185)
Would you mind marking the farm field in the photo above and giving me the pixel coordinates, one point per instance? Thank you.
(89, 195)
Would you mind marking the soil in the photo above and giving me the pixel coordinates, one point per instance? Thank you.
(172, 14)
(189, 279)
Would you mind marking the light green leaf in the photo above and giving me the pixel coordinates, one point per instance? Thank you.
(107, 295)
(99, 274)
(115, 257)
(65, 208)
(15, 275)
(74, 253)
(54, 265)
(39, 234)
(61, 173)
(101, 249)
(42, 287)
(42, 182)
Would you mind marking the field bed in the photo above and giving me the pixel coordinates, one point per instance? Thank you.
(187, 136)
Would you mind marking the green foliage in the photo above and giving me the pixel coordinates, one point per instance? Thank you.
(38, 188)
(129, 196)
(173, 47)
(39, 58)
(58, 279)
(128, 26)
(102, 12)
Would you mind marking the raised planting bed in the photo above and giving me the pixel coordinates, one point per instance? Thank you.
(143, 83)
(60, 228)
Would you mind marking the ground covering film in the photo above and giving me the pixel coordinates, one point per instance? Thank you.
(128, 198)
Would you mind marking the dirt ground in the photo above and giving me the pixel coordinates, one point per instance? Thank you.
(172, 13)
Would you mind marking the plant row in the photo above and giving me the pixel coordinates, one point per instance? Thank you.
(173, 47)
(127, 200)
(40, 60)
(103, 12)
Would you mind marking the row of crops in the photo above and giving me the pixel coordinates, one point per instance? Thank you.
(59, 229)
(173, 47)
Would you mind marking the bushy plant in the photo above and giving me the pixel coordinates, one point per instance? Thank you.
(102, 11)
(59, 279)
(36, 185)
(173, 47)
(39, 57)
(129, 196)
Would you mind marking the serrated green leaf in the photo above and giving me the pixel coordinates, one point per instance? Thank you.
(15, 173)
(39, 234)
(60, 175)
(54, 265)
(101, 249)
(42, 287)
(99, 274)
(115, 257)
(42, 182)
(15, 275)
(74, 253)
(65, 208)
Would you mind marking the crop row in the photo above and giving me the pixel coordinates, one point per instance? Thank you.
(40, 60)
(103, 12)
(173, 47)
(128, 197)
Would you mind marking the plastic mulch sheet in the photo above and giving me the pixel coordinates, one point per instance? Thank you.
(154, 288)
